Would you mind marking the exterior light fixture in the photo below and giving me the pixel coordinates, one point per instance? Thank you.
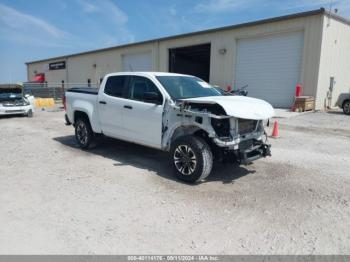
(222, 51)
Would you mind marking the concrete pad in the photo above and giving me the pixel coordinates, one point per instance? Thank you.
(121, 198)
(287, 113)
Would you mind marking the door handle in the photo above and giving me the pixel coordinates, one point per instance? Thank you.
(128, 107)
(103, 102)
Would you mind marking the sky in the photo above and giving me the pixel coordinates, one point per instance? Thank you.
(38, 29)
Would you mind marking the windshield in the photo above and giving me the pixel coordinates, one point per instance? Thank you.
(10, 94)
(180, 87)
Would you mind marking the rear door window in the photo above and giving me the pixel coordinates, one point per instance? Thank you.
(115, 86)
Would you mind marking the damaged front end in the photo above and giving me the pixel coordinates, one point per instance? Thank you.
(257, 150)
(233, 139)
(13, 102)
(245, 142)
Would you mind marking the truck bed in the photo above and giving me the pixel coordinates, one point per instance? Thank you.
(83, 90)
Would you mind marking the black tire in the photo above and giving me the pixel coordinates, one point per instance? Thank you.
(30, 113)
(192, 158)
(83, 133)
(346, 107)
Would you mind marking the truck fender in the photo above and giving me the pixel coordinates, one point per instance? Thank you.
(87, 108)
(180, 129)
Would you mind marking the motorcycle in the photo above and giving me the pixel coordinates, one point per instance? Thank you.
(238, 92)
(242, 91)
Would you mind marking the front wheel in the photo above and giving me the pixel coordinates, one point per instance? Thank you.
(83, 133)
(30, 113)
(346, 107)
(192, 158)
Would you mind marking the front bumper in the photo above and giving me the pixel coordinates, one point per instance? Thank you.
(257, 150)
(15, 110)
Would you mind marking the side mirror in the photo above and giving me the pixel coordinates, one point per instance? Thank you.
(152, 97)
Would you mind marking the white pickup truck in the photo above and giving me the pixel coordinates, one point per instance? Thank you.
(180, 114)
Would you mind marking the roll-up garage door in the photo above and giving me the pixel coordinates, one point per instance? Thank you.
(137, 62)
(270, 66)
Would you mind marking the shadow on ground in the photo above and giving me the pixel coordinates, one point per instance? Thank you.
(338, 112)
(125, 153)
(13, 116)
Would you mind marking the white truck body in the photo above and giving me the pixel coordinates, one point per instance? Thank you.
(226, 121)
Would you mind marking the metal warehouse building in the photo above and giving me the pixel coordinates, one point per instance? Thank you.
(270, 56)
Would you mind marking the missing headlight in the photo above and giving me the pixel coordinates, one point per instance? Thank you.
(246, 126)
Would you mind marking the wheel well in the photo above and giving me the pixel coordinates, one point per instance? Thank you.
(191, 130)
(80, 114)
(204, 135)
(346, 100)
(183, 131)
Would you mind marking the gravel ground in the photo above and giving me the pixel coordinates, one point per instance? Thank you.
(121, 198)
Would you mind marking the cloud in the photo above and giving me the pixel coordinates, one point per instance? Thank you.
(15, 20)
(115, 17)
(106, 8)
(173, 10)
(215, 6)
(88, 7)
(115, 13)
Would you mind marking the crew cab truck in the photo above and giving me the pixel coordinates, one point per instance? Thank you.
(180, 114)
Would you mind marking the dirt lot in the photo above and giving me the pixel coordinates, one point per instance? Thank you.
(122, 199)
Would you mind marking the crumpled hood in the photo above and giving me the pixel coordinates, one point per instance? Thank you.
(239, 106)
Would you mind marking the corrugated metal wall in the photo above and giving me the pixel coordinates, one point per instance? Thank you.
(95, 65)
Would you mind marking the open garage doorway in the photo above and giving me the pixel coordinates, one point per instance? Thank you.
(191, 60)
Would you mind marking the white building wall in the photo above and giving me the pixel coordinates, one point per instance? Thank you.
(96, 65)
(54, 77)
(335, 60)
(222, 67)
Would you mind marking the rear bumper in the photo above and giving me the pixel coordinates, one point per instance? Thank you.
(67, 120)
(258, 150)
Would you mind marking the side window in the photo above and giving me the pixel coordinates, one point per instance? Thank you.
(139, 85)
(115, 86)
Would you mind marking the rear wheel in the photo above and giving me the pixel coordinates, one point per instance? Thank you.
(192, 158)
(346, 107)
(83, 133)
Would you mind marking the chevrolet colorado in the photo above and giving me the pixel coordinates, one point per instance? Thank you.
(180, 114)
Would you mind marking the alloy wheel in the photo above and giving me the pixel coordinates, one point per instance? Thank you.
(185, 160)
(82, 133)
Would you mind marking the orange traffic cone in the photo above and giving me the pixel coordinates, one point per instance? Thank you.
(275, 132)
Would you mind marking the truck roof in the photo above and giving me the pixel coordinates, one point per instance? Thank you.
(146, 74)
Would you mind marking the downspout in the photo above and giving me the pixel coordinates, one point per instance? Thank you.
(67, 79)
(316, 91)
(27, 65)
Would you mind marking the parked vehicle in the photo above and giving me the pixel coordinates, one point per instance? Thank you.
(180, 114)
(344, 102)
(13, 102)
(242, 91)
(237, 92)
